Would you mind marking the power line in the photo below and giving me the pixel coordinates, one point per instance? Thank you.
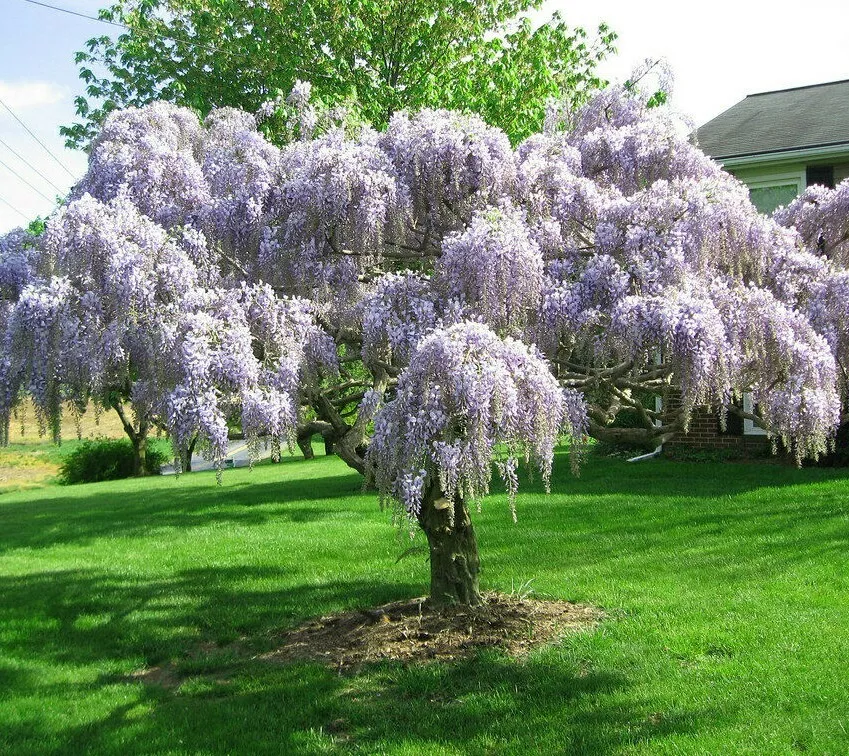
(31, 166)
(44, 146)
(34, 188)
(9, 204)
(76, 13)
(147, 32)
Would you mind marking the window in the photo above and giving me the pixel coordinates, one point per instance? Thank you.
(749, 427)
(739, 426)
(820, 174)
(772, 191)
(768, 198)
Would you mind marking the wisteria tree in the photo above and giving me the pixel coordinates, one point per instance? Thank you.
(119, 313)
(820, 284)
(468, 398)
(456, 295)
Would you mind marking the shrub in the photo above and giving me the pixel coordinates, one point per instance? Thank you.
(108, 459)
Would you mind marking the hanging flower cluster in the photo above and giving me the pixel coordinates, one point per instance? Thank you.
(469, 397)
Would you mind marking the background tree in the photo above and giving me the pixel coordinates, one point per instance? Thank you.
(119, 315)
(485, 57)
(19, 255)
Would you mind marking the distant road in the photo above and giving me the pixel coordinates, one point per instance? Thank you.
(237, 456)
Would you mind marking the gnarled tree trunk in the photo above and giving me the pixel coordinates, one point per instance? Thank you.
(138, 439)
(351, 449)
(454, 560)
(306, 432)
(348, 442)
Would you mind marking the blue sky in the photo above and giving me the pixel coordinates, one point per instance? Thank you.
(719, 52)
(38, 81)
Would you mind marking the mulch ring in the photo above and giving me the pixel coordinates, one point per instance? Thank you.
(413, 630)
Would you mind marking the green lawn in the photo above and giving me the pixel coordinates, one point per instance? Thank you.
(726, 588)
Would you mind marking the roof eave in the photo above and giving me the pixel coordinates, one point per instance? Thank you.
(792, 155)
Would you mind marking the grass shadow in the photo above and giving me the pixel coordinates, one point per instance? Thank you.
(226, 700)
(484, 705)
(62, 515)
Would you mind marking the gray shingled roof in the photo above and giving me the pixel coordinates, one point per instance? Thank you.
(788, 119)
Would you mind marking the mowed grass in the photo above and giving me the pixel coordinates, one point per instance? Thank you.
(725, 585)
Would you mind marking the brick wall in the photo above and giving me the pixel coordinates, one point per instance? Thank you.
(705, 433)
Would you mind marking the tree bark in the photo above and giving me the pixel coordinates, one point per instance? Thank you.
(350, 442)
(454, 560)
(138, 439)
(139, 442)
(186, 455)
(351, 449)
(305, 445)
(306, 432)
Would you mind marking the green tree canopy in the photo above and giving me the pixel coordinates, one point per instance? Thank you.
(485, 56)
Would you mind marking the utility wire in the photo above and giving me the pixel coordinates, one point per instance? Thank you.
(147, 32)
(31, 166)
(9, 204)
(34, 188)
(76, 13)
(46, 148)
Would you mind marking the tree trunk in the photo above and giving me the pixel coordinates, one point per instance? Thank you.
(306, 432)
(329, 444)
(186, 455)
(138, 439)
(351, 449)
(305, 445)
(349, 442)
(139, 442)
(454, 560)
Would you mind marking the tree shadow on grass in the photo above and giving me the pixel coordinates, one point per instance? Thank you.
(211, 627)
(660, 477)
(302, 496)
(84, 616)
(145, 509)
(487, 704)
(660, 506)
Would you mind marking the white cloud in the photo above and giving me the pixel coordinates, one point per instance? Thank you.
(25, 95)
(30, 161)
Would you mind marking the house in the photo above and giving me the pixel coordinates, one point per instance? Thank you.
(778, 143)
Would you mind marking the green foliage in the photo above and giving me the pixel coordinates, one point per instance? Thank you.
(486, 57)
(108, 459)
(627, 417)
(36, 227)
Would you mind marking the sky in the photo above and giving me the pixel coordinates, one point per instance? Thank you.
(719, 52)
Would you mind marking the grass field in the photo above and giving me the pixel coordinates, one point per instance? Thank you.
(726, 590)
(30, 461)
